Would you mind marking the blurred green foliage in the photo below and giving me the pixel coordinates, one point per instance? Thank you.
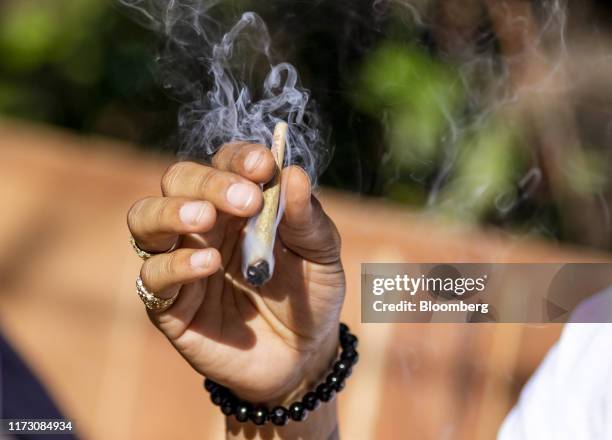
(483, 179)
(80, 64)
(416, 94)
(413, 95)
(418, 98)
(34, 33)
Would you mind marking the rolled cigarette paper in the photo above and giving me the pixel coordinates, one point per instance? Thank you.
(261, 232)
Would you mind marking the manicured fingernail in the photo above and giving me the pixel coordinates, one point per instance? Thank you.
(201, 259)
(193, 213)
(240, 195)
(252, 160)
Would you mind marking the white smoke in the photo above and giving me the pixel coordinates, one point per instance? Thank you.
(216, 74)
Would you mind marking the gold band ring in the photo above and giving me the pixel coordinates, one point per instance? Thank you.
(151, 301)
(146, 255)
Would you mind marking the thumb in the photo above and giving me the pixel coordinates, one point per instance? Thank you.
(305, 228)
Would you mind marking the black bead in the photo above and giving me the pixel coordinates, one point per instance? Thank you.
(333, 380)
(210, 386)
(243, 411)
(228, 407)
(350, 355)
(342, 367)
(279, 416)
(297, 412)
(259, 416)
(325, 392)
(218, 396)
(348, 340)
(311, 401)
(348, 373)
(340, 386)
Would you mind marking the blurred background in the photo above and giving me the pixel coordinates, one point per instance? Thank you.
(475, 130)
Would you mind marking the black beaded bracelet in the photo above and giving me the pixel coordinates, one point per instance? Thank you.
(298, 410)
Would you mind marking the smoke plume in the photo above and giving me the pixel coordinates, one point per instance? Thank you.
(223, 70)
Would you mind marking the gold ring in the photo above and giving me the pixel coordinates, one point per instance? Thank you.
(151, 301)
(146, 255)
(141, 253)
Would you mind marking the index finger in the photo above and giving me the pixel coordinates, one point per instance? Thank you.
(253, 161)
(228, 192)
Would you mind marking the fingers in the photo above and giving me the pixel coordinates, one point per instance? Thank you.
(305, 228)
(163, 274)
(230, 184)
(156, 222)
(298, 192)
(227, 191)
(195, 192)
(253, 161)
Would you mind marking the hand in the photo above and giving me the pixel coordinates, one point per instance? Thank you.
(268, 344)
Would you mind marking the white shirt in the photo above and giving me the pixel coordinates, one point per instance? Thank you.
(570, 394)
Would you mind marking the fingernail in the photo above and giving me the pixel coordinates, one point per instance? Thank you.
(192, 213)
(240, 195)
(252, 160)
(201, 259)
